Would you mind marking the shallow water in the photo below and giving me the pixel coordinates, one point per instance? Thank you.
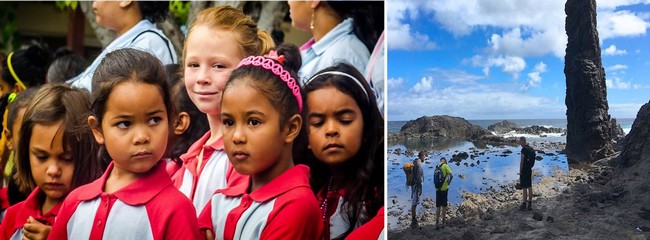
(491, 168)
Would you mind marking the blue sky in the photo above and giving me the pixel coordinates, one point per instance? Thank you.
(504, 59)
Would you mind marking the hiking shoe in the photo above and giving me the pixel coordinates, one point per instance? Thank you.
(530, 205)
(522, 206)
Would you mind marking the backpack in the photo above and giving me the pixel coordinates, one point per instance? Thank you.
(438, 176)
(408, 171)
(529, 160)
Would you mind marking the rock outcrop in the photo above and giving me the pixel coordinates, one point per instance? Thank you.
(443, 127)
(637, 143)
(503, 127)
(537, 130)
(617, 131)
(588, 123)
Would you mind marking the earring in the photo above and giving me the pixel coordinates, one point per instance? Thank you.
(311, 25)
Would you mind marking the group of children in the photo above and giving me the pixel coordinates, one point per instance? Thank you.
(274, 159)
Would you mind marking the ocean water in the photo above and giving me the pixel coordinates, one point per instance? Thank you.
(626, 123)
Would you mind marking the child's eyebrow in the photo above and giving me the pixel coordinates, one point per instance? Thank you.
(253, 112)
(344, 112)
(37, 150)
(154, 112)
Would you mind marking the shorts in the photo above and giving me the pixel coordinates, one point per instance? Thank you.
(441, 198)
(526, 178)
(416, 191)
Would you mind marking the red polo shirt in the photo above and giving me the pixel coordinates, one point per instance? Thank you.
(18, 214)
(373, 229)
(284, 208)
(149, 208)
(216, 172)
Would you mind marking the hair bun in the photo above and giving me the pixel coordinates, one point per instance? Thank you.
(292, 59)
(37, 56)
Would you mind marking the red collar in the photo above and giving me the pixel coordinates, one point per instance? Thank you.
(32, 204)
(196, 147)
(137, 193)
(295, 177)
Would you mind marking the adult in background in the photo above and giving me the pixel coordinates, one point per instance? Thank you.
(342, 31)
(416, 190)
(526, 173)
(134, 23)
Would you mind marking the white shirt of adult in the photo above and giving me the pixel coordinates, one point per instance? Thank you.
(149, 42)
(338, 45)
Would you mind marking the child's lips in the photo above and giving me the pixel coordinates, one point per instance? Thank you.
(52, 186)
(332, 146)
(239, 155)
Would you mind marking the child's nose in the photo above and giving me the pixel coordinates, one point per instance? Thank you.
(331, 129)
(141, 136)
(53, 169)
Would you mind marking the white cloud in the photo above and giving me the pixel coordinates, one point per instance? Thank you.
(616, 67)
(534, 77)
(395, 83)
(473, 102)
(617, 83)
(454, 76)
(624, 110)
(613, 51)
(400, 34)
(620, 23)
(424, 85)
(508, 64)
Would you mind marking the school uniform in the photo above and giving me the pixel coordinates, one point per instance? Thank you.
(149, 208)
(216, 172)
(284, 208)
(17, 215)
(142, 36)
(338, 45)
(373, 229)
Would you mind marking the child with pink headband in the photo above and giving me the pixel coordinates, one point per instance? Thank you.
(260, 109)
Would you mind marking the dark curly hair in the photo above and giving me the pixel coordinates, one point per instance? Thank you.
(367, 16)
(364, 173)
(154, 11)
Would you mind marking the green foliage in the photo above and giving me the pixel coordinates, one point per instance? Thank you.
(9, 39)
(180, 9)
(67, 4)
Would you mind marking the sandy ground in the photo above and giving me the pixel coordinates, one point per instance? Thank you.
(594, 201)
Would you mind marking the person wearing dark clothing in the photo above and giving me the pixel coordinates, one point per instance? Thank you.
(525, 173)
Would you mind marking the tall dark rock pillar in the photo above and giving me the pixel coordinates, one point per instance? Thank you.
(588, 128)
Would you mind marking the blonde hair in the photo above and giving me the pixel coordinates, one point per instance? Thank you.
(252, 41)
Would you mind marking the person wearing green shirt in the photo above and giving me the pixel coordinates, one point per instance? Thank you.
(442, 192)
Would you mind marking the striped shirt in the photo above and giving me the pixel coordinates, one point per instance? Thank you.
(284, 208)
(149, 208)
(216, 172)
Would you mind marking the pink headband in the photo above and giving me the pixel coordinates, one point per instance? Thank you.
(278, 70)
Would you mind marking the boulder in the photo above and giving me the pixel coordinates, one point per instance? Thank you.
(502, 127)
(636, 144)
(443, 127)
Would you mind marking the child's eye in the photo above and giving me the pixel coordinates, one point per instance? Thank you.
(123, 124)
(345, 121)
(155, 120)
(316, 122)
(228, 122)
(41, 157)
(219, 66)
(192, 65)
(254, 122)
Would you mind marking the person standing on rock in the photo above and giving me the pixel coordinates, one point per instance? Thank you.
(525, 173)
(443, 192)
(416, 190)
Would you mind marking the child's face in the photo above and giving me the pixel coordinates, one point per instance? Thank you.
(211, 55)
(251, 130)
(134, 128)
(14, 135)
(5, 87)
(52, 167)
(335, 125)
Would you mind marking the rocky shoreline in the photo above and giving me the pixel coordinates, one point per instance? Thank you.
(561, 203)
